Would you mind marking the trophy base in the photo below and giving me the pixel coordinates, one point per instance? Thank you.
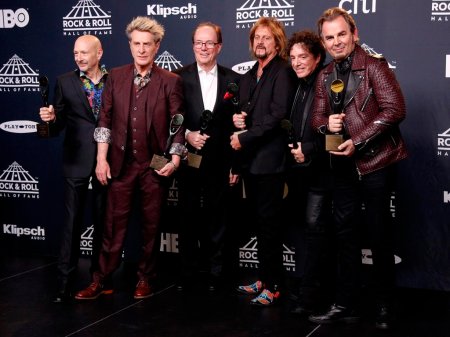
(158, 162)
(43, 130)
(333, 141)
(194, 160)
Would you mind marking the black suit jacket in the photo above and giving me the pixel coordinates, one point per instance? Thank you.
(217, 150)
(266, 103)
(74, 114)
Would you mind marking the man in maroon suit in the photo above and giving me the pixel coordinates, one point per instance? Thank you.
(139, 101)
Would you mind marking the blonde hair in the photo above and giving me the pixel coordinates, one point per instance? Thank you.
(145, 24)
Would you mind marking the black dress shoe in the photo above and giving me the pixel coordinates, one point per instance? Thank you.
(384, 318)
(335, 314)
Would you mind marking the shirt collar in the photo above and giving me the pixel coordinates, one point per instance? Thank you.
(213, 71)
(102, 69)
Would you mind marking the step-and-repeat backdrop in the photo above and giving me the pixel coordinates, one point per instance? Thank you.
(37, 39)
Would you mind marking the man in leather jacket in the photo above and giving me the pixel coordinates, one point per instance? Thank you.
(368, 115)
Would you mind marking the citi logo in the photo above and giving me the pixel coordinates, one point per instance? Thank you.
(168, 61)
(19, 126)
(356, 6)
(440, 10)
(16, 75)
(443, 143)
(169, 243)
(10, 18)
(185, 12)
(10, 229)
(251, 11)
(15, 182)
(248, 256)
(86, 17)
(242, 68)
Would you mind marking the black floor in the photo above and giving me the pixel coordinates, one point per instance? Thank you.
(26, 287)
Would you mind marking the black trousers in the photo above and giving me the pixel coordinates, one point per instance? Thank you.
(204, 200)
(75, 202)
(265, 194)
(376, 190)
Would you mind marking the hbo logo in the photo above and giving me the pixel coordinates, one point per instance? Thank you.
(9, 18)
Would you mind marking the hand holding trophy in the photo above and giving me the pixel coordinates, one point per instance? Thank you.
(195, 159)
(287, 126)
(43, 129)
(158, 161)
(334, 139)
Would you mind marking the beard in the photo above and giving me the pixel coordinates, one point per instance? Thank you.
(260, 53)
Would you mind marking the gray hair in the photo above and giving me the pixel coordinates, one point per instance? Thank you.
(145, 24)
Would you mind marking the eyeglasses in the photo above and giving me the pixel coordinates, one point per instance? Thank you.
(208, 44)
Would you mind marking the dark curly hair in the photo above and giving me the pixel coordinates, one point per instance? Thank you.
(311, 41)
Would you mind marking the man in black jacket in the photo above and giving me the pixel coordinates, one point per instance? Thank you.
(266, 93)
(204, 183)
(76, 107)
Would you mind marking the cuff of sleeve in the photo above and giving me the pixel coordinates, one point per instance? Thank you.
(178, 149)
(102, 135)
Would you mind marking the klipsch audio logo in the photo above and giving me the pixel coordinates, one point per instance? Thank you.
(440, 10)
(36, 233)
(10, 18)
(182, 12)
(357, 6)
(86, 17)
(372, 52)
(15, 182)
(252, 10)
(248, 256)
(19, 126)
(443, 143)
(16, 75)
(168, 61)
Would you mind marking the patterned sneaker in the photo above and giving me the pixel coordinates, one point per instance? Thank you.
(266, 298)
(251, 289)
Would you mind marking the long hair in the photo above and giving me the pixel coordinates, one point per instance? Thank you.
(277, 29)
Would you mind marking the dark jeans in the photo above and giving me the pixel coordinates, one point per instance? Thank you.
(334, 235)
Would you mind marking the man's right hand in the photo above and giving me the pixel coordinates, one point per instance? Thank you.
(103, 172)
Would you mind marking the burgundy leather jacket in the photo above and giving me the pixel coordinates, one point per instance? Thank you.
(374, 106)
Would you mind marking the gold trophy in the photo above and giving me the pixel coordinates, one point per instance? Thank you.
(158, 161)
(333, 140)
